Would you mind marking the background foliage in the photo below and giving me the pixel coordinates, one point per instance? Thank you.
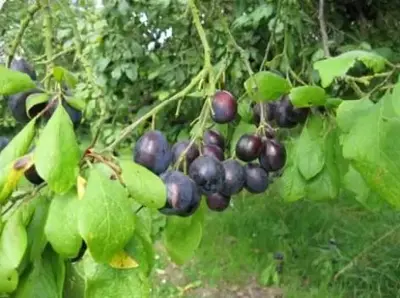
(131, 55)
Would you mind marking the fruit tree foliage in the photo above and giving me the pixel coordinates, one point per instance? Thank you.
(126, 123)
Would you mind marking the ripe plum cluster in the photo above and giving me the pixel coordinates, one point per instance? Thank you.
(191, 169)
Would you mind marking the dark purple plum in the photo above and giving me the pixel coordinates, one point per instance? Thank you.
(256, 178)
(183, 197)
(269, 109)
(208, 173)
(4, 142)
(17, 106)
(273, 156)
(153, 151)
(32, 176)
(23, 66)
(224, 107)
(213, 151)
(213, 137)
(191, 154)
(74, 114)
(287, 116)
(217, 202)
(234, 177)
(248, 147)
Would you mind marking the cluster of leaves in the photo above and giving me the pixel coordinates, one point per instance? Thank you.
(88, 204)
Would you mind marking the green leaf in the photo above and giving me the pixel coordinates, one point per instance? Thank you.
(35, 99)
(307, 96)
(74, 285)
(355, 183)
(13, 242)
(372, 147)
(349, 111)
(182, 235)
(310, 157)
(396, 97)
(104, 281)
(36, 236)
(326, 185)
(241, 129)
(266, 86)
(45, 279)
(106, 220)
(140, 247)
(245, 111)
(57, 152)
(12, 82)
(292, 185)
(144, 186)
(63, 75)
(8, 280)
(19, 145)
(334, 67)
(76, 102)
(61, 227)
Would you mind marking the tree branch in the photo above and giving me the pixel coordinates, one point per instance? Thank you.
(322, 25)
(48, 34)
(24, 25)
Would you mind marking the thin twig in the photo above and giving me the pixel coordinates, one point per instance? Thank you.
(48, 34)
(24, 25)
(322, 25)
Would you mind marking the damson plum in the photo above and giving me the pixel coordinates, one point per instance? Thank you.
(183, 197)
(256, 178)
(273, 156)
(269, 110)
(191, 154)
(74, 114)
(248, 147)
(17, 106)
(217, 202)
(32, 176)
(224, 107)
(234, 177)
(286, 115)
(4, 142)
(23, 66)
(208, 173)
(213, 137)
(153, 151)
(213, 151)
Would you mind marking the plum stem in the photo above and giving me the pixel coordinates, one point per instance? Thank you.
(24, 25)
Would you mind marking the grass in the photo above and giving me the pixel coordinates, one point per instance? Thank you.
(317, 239)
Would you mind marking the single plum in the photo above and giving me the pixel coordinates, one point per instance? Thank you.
(256, 178)
(183, 197)
(224, 107)
(17, 106)
(32, 176)
(208, 173)
(74, 114)
(213, 151)
(153, 151)
(191, 154)
(273, 156)
(217, 202)
(248, 147)
(269, 110)
(234, 177)
(214, 137)
(4, 142)
(23, 66)
(284, 114)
